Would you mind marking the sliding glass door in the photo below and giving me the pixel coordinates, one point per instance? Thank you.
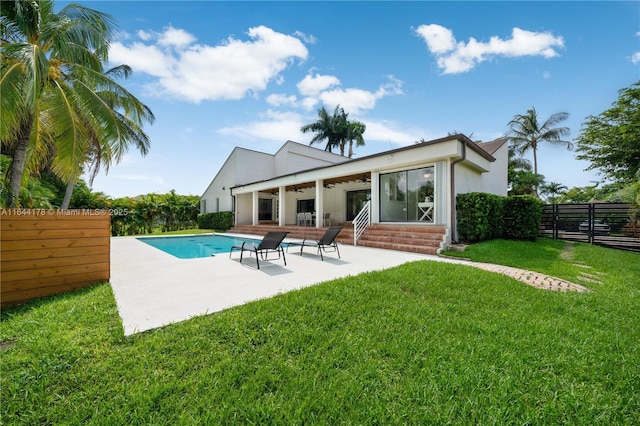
(401, 192)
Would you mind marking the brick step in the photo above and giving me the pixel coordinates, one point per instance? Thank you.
(412, 248)
(408, 229)
(374, 234)
(434, 242)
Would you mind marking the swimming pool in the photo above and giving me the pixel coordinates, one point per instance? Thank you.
(194, 246)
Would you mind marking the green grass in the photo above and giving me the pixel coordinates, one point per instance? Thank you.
(423, 343)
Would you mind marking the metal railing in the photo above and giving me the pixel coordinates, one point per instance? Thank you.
(361, 222)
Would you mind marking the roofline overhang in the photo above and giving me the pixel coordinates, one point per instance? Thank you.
(332, 171)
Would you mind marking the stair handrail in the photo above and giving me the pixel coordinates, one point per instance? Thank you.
(361, 222)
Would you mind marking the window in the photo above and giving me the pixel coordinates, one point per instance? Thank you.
(306, 206)
(400, 193)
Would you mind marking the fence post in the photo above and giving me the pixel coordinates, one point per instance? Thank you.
(554, 215)
(591, 222)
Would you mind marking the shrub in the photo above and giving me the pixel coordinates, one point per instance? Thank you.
(479, 216)
(523, 215)
(483, 216)
(221, 221)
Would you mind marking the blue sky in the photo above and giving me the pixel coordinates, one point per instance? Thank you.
(224, 74)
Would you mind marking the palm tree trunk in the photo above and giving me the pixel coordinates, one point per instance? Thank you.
(535, 170)
(19, 160)
(68, 192)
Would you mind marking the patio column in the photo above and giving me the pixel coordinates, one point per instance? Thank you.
(375, 197)
(319, 203)
(281, 205)
(254, 208)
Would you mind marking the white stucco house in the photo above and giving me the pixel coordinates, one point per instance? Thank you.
(414, 185)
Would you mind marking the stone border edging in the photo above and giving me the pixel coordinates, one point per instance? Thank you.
(534, 279)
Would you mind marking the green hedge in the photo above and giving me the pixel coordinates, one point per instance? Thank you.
(479, 216)
(522, 217)
(220, 221)
(483, 216)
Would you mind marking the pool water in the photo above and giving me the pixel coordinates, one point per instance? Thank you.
(194, 246)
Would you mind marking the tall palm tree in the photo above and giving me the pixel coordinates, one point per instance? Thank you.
(57, 59)
(526, 133)
(355, 132)
(105, 142)
(333, 128)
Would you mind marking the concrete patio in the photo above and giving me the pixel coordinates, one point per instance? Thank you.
(153, 288)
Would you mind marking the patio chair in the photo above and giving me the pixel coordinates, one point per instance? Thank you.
(272, 241)
(327, 243)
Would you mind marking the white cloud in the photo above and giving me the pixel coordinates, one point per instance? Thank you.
(273, 126)
(312, 85)
(175, 37)
(457, 57)
(389, 132)
(323, 89)
(144, 35)
(279, 99)
(309, 39)
(196, 72)
(635, 58)
(438, 38)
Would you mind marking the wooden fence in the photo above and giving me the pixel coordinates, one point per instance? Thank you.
(43, 252)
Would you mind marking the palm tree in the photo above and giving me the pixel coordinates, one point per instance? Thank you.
(355, 131)
(526, 133)
(106, 142)
(333, 128)
(554, 189)
(71, 106)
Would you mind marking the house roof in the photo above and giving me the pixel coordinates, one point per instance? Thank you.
(492, 146)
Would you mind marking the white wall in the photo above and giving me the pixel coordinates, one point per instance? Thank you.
(469, 179)
(246, 166)
(242, 166)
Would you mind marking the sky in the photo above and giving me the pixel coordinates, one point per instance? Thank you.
(223, 74)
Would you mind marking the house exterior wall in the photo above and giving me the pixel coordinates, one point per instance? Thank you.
(245, 165)
(242, 166)
(474, 169)
(494, 181)
(294, 157)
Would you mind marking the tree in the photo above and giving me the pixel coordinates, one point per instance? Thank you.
(522, 181)
(106, 144)
(73, 112)
(323, 129)
(611, 141)
(39, 48)
(526, 133)
(355, 132)
(580, 194)
(336, 129)
(554, 189)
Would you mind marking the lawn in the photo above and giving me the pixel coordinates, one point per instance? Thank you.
(423, 343)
